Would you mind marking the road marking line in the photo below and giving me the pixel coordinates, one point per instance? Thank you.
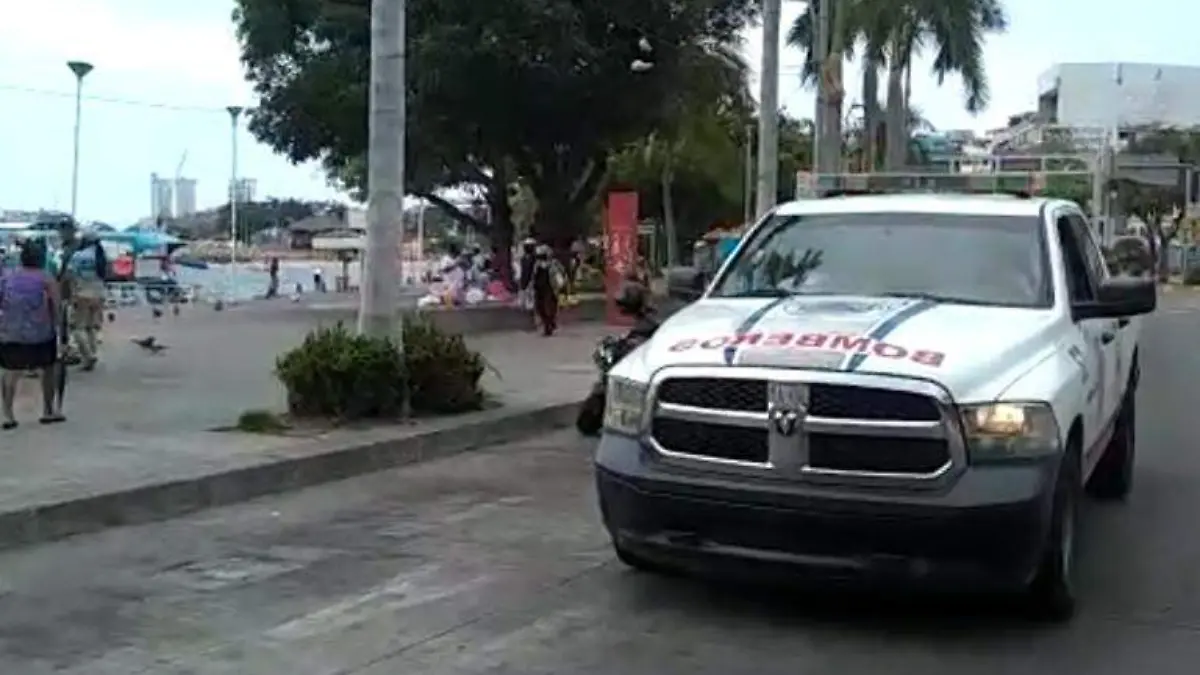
(404, 591)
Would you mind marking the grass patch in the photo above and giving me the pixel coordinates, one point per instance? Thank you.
(261, 422)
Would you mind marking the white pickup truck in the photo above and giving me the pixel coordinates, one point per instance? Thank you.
(901, 388)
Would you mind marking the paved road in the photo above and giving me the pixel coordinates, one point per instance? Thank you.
(494, 563)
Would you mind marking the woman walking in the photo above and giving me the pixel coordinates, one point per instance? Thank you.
(29, 307)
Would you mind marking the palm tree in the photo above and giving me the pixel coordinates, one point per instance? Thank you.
(892, 32)
(955, 29)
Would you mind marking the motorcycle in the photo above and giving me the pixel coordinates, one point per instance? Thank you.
(610, 350)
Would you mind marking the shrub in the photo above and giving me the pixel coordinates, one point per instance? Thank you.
(336, 373)
(1192, 276)
(443, 373)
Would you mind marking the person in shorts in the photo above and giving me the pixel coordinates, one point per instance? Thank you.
(84, 271)
(29, 310)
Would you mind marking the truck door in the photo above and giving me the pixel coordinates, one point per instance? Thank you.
(1087, 344)
(1114, 333)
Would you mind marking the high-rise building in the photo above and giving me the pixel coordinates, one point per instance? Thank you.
(244, 189)
(185, 197)
(161, 194)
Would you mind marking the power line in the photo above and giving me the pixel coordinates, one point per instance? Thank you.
(784, 70)
(51, 93)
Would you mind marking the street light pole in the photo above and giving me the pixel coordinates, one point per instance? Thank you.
(382, 268)
(235, 112)
(768, 113)
(80, 69)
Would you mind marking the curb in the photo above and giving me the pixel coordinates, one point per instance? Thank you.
(148, 503)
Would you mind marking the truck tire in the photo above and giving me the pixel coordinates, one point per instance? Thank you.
(1113, 477)
(1051, 594)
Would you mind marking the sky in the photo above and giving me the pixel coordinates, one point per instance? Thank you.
(166, 70)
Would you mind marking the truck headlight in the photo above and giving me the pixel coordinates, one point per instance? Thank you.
(1004, 431)
(624, 406)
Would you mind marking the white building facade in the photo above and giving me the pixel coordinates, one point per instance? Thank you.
(161, 197)
(1119, 95)
(185, 197)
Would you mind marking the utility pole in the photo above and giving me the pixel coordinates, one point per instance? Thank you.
(768, 110)
(382, 269)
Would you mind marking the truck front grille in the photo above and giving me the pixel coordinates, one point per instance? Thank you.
(827, 400)
(842, 452)
(844, 430)
(706, 439)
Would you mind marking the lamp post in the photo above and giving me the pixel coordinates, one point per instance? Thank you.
(768, 110)
(235, 112)
(80, 69)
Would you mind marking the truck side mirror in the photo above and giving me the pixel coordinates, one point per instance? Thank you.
(1119, 298)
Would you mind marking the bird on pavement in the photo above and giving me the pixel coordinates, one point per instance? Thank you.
(150, 344)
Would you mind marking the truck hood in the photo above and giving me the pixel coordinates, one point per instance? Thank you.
(974, 352)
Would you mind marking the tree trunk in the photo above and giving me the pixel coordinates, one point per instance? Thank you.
(563, 199)
(870, 99)
(668, 207)
(897, 117)
(836, 93)
(502, 230)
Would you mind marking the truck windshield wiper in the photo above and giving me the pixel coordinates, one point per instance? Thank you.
(759, 293)
(771, 293)
(936, 297)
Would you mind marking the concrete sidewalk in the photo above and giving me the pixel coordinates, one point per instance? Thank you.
(139, 441)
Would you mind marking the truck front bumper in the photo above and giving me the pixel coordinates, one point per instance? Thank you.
(988, 528)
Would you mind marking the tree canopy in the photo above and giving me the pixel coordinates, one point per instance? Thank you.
(535, 91)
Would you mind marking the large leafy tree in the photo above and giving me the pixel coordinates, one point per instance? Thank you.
(536, 90)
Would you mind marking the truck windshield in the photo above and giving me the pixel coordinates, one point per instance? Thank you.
(970, 259)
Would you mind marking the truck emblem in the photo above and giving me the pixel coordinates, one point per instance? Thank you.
(787, 405)
(785, 421)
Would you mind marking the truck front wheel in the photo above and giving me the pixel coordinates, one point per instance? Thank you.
(1052, 592)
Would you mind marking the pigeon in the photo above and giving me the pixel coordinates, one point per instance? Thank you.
(150, 344)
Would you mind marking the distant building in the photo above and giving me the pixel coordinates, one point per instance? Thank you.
(161, 197)
(1107, 95)
(244, 189)
(302, 232)
(185, 197)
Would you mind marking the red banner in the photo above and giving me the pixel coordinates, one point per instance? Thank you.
(620, 247)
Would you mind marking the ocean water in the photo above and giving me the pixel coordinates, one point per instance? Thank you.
(249, 281)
